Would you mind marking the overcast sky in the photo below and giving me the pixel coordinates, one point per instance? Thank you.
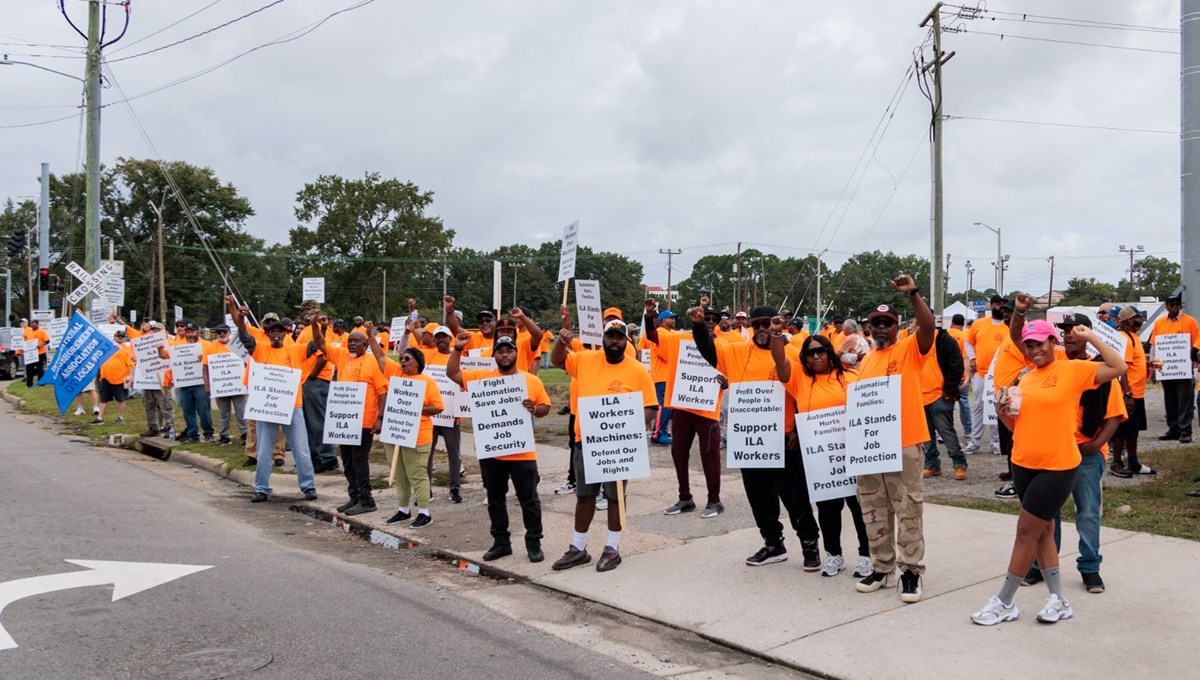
(687, 124)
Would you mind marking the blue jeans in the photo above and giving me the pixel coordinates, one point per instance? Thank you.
(939, 416)
(194, 402)
(964, 408)
(297, 438)
(662, 424)
(316, 394)
(1088, 496)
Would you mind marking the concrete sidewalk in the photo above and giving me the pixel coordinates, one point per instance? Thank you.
(690, 573)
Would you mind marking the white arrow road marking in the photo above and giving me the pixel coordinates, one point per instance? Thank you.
(126, 578)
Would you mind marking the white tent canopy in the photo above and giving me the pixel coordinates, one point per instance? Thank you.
(956, 308)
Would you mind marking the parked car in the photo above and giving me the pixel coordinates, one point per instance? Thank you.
(11, 365)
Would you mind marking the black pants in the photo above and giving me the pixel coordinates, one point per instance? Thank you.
(452, 436)
(1006, 443)
(524, 476)
(571, 433)
(35, 370)
(829, 515)
(1177, 397)
(766, 487)
(356, 463)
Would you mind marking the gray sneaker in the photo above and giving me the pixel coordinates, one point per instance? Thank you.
(681, 506)
(712, 510)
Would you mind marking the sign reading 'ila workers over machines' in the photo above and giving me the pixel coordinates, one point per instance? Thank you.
(613, 429)
(873, 426)
(502, 425)
(756, 422)
(696, 387)
(402, 413)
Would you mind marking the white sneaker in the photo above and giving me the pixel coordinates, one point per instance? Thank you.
(833, 564)
(601, 501)
(78, 410)
(565, 489)
(1055, 610)
(996, 612)
(864, 567)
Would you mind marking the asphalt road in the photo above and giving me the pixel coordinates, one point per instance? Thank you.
(311, 614)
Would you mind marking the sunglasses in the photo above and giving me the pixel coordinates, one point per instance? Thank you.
(760, 323)
(814, 352)
(882, 322)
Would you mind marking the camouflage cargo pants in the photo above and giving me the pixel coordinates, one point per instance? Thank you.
(892, 507)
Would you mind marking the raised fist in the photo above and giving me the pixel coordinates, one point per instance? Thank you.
(904, 283)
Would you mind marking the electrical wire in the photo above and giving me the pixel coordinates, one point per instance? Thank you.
(1014, 36)
(218, 27)
(167, 27)
(1064, 125)
(978, 11)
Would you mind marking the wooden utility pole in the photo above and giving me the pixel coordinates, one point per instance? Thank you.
(669, 253)
(937, 281)
(737, 277)
(1050, 295)
(162, 272)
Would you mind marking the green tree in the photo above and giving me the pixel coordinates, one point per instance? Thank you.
(1088, 291)
(863, 283)
(1153, 276)
(16, 216)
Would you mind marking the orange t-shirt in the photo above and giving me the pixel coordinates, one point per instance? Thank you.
(747, 362)
(932, 380)
(820, 391)
(433, 397)
(668, 349)
(1182, 324)
(1115, 407)
(384, 339)
(1135, 357)
(363, 369)
(117, 369)
(593, 376)
(535, 390)
(303, 339)
(904, 359)
(1044, 430)
(961, 338)
(798, 339)
(658, 365)
(546, 344)
(40, 335)
(987, 336)
(526, 355)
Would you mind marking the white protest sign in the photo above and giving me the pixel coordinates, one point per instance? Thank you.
(755, 438)
(398, 331)
(178, 313)
(644, 357)
(118, 267)
(113, 290)
(452, 396)
(696, 385)
(1175, 351)
(88, 283)
(402, 414)
(822, 436)
(145, 380)
(344, 413)
(100, 307)
(873, 426)
(314, 289)
(186, 369)
(110, 329)
(502, 425)
(42, 315)
(146, 347)
(225, 372)
(497, 268)
(566, 254)
(476, 363)
(989, 396)
(272, 395)
(57, 328)
(591, 317)
(133, 316)
(612, 428)
(29, 349)
(1111, 337)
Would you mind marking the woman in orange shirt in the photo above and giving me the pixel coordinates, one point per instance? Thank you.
(1045, 457)
(820, 384)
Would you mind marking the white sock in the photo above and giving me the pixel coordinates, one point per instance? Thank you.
(579, 540)
(404, 509)
(422, 511)
(614, 539)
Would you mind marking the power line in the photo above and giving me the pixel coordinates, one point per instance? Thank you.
(167, 27)
(1066, 125)
(1014, 36)
(978, 12)
(201, 33)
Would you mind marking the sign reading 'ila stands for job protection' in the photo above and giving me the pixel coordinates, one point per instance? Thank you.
(273, 391)
(873, 426)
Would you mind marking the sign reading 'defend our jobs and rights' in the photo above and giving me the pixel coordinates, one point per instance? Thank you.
(873, 426)
(989, 396)
(186, 369)
(225, 372)
(591, 317)
(696, 385)
(314, 289)
(566, 254)
(450, 396)
(502, 425)
(344, 412)
(756, 418)
(1174, 349)
(402, 414)
(823, 449)
(613, 429)
(273, 390)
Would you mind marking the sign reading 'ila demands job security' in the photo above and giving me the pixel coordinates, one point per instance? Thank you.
(273, 391)
(696, 386)
(613, 429)
(502, 425)
(873, 426)
(756, 422)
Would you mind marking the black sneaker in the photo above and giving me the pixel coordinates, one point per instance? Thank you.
(1170, 436)
(496, 552)
(1032, 577)
(873, 582)
(149, 433)
(258, 497)
(1007, 492)
(1185, 439)
(278, 462)
(224, 441)
(399, 517)
(1005, 476)
(681, 506)
(609, 559)
(910, 587)
(812, 555)
(455, 496)
(768, 554)
(359, 509)
(712, 510)
(347, 505)
(535, 553)
(1093, 582)
(422, 520)
(573, 557)
(250, 462)
(310, 494)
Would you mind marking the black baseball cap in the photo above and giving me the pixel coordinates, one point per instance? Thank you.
(998, 298)
(1071, 320)
(763, 311)
(503, 340)
(222, 328)
(487, 313)
(192, 327)
(276, 323)
(884, 310)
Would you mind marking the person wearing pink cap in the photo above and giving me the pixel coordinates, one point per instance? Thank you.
(1042, 412)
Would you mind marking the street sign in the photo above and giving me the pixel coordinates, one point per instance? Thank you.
(979, 305)
(88, 283)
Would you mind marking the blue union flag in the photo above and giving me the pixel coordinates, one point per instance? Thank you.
(81, 351)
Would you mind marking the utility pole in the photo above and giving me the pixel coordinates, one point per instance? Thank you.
(1133, 251)
(92, 221)
(970, 284)
(669, 253)
(1050, 295)
(445, 273)
(937, 282)
(1189, 146)
(999, 260)
(737, 276)
(44, 234)
(820, 312)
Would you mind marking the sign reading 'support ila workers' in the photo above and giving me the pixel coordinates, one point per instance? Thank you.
(873, 426)
(344, 413)
(822, 436)
(186, 369)
(402, 414)
(591, 316)
(502, 425)
(273, 390)
(452, 396)
(613, 430)
(696, 385)
(1175, 351)
(756, 419)
(225, 372)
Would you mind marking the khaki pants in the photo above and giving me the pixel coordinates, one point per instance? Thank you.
(412, 479)
(893, 508)
(252, 442)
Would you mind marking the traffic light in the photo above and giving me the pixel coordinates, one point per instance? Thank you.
(43, 279)
(16, 242)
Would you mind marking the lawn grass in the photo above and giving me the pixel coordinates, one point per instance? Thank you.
(1157, 506)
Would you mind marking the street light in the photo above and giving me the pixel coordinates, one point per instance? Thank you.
(1133, 250)
(970, 284)
(9, 62)
(999, 259)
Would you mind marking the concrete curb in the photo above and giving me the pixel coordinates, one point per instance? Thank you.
(13, 399)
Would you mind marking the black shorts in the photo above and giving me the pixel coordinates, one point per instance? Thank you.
(1136, 422)
(1043, 492)
(110, 392)
(582, 488)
